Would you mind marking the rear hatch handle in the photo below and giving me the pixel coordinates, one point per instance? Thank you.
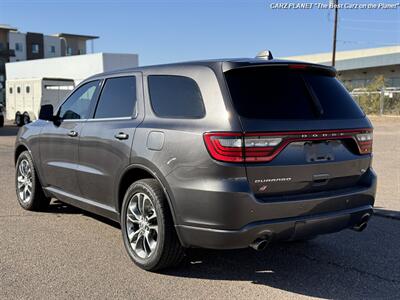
(320, 179)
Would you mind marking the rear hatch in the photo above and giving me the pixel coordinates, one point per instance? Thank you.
(302, 131)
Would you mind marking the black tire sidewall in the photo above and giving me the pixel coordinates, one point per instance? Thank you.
(26, 205)
(151, 262)
(18, 119)
(25, 119)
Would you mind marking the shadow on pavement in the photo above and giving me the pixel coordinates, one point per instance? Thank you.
(58, 207)
(386, 213)
(338, 266)
(8, 130)
(288, 267)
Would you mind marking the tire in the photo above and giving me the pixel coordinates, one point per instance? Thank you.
(25, 119)
(167, 250)
(18, 119)
(25, 173)
(1, 121)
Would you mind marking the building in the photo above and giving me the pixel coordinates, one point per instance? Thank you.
(29, 82)
(77, 67)
(19, 46)
(356, 68)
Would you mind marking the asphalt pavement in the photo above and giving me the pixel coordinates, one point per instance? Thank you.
(67, 253)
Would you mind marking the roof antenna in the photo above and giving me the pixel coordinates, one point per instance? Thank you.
(265, 54)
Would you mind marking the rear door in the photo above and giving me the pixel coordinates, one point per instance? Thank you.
(59, 140)
(106, 139)
(302, 131)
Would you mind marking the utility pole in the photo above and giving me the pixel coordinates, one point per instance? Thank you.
(335, 3)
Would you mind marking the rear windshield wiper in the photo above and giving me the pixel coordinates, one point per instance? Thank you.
(314, 98)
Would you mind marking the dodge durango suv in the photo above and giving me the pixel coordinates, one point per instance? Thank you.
(218, 154)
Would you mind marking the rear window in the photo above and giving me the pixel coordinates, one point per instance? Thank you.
(175, 97)
(118, 98)
(283, 93)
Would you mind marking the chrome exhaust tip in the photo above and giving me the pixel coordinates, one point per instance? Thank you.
(363, 224)
(259, 244)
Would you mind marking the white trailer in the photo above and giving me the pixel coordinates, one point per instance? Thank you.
(76, 67)
(26, 96)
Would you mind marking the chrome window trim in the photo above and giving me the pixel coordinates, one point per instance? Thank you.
(110, 119)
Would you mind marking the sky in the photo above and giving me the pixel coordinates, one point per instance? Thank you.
(181, 30)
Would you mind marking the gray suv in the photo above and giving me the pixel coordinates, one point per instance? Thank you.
(217, 154)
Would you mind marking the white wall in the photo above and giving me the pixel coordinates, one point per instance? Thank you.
(115, 61)
(49, 41)
(77, 67)
(17, 37)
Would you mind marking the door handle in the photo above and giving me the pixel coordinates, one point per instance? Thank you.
(72, 133)
(121, 136)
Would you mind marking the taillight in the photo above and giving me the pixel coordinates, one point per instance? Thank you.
(260, 148)
(225, 146)
(364, 142)
(263, 147)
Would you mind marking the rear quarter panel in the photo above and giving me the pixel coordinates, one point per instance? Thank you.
(183, 159)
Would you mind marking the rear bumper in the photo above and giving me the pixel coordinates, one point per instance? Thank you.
(283, 229)
(229, 220)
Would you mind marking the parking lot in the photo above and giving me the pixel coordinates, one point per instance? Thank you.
(67, 253)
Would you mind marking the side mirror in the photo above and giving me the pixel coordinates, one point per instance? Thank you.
(46, 112)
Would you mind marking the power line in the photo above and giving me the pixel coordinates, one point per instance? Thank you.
(370, 21)
(368, 42)
(368, 29)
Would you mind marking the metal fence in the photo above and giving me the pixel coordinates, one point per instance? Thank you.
(383, 102)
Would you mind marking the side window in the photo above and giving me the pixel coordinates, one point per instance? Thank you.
(118, 98)
(11, 90)
(27, 89)
(175, 97)
(18, 89)
(77, 105)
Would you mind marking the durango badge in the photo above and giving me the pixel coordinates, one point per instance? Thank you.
(282, 179)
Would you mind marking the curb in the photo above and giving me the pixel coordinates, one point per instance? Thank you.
(390, 214)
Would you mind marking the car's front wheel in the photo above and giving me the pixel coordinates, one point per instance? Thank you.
(147, 227)
(29, 191)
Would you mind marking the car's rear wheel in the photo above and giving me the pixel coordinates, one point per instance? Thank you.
(147, 227)
(30, 194)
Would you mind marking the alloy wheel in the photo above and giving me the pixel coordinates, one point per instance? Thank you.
(24, 181)
(142, 225)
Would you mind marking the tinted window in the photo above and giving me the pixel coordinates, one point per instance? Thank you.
(282, 93)
(118, 98)
(334, 98)
(175, 97)
(77, 105)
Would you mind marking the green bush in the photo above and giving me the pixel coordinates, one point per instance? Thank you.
(370, 101)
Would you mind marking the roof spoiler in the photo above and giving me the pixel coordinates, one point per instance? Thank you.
(227, 66)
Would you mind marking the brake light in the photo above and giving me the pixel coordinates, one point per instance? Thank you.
(225, 146)
(296, 66)
(364, 142)
(264, 147)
